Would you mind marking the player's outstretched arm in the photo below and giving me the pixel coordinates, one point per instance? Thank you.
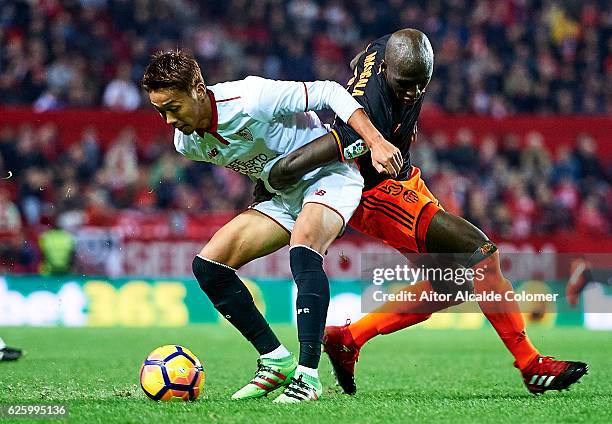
(267, 99)
(295, 165)
(319, 152)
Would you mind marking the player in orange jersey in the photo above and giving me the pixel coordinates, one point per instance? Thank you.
(390, 79)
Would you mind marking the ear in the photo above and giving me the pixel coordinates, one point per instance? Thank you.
(201, 90)
(382, 67)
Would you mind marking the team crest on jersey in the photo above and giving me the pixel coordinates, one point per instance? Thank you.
(320, 192)
(410, 196)
(212, 153)
(245, 134)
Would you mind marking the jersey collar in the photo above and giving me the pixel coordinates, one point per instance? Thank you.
(214, 120)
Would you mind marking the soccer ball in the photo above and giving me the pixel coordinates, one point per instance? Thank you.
(172, 372)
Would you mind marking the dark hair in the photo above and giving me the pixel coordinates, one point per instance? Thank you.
(172, 70)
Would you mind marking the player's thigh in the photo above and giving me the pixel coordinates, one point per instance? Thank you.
(317, 226)
(329, 202)
(248, 236)
(448, 233)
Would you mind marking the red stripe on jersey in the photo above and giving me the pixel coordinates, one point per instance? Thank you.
(227, 100)
(220, 138)
(306, 91)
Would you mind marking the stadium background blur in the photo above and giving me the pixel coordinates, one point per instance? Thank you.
(100, 217)
(514, 134)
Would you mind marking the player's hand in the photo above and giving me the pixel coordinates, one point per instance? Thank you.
(386, 158)
(260, 193)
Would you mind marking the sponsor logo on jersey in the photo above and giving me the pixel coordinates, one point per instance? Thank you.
(251, 166)
(358, 148)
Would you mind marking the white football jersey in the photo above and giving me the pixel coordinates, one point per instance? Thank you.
(256, 120)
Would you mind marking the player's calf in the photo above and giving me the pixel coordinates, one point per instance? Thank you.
(580, 276)
(315, 229)
(233, 300)
(311, 304)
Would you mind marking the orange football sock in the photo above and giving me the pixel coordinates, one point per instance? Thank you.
(505, 316)
(393, 316)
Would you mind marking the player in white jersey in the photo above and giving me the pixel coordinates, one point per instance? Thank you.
(245, 125)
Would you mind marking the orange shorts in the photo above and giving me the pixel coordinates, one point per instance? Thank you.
(397, 212)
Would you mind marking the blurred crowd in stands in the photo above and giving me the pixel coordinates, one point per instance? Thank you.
(491, 57)
(507, 190)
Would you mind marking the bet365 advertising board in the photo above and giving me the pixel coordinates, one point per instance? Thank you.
(135, 302)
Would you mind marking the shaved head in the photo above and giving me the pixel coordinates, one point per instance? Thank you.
(409, 59)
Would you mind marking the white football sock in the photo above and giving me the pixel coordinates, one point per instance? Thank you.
(310, 371)
(278, 353)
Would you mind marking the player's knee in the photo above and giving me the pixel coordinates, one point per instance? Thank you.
(486, 254)
(221, 252)
(450, 233)
(316, 231)
(210, 274)
(471, 237)
(309, 238)
(307, 241)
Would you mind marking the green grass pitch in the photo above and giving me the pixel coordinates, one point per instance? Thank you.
(412, 376)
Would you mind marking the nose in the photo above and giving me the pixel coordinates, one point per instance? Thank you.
(414, 93)
(170, 119)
